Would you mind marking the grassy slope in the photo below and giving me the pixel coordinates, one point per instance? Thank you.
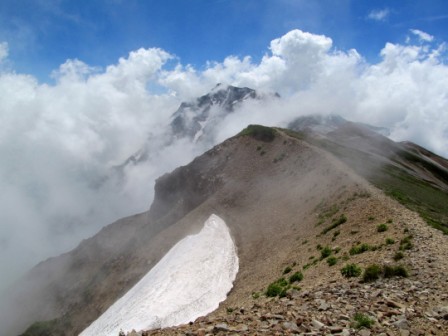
(416, 194)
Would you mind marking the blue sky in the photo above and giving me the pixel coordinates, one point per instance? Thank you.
(42, 34)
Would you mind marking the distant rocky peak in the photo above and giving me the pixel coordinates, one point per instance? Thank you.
(193, 119)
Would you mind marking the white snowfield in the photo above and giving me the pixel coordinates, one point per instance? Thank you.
(189, 281)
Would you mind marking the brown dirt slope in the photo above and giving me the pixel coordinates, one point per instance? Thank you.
(278, 194)
(327, 302)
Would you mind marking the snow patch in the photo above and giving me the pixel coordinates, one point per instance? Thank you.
(188, 282)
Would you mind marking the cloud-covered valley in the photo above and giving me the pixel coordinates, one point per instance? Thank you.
(60, 143)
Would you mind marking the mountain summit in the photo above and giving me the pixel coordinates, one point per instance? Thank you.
(196, 118)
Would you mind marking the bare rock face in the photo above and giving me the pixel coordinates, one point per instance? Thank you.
(196, 118)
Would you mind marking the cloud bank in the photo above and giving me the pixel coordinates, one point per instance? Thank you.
(59, 143)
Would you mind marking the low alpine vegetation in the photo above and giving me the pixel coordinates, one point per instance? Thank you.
(390, 241)
(351, 271)
(336, 222)
(325, 252)
(382, 228)
(277, 288)
(398, 256)
(258, 132)
(406, 243)
(296, 277)
(372, 273)
(362, 321)
(397, 270)
(331, 261)
(282, 285)
(287, 270)
(360, 249)
(255, 295)
(274, 289)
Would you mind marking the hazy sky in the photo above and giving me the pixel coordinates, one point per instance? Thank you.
(84, 84)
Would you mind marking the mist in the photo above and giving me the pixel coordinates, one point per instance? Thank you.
(61, 143)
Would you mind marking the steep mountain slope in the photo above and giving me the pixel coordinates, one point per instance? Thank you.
(262, 189)
(279, 191)
(407, 172)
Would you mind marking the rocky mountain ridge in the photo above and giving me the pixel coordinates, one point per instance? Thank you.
(278, 190)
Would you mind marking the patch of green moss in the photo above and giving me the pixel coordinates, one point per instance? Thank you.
(259, 132)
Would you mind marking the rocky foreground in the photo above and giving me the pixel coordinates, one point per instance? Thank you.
(334, 305)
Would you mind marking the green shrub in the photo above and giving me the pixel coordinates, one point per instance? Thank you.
(359, 249)
(351, 270)
(371, 218)
(296, 277)
(283, 292)
(336, 222)
(282, 282)
(382, 227)
(398, 270)
(274, 289)
(331, 261)
(398, 256)
(406, 243)
(287, 270)
(278, 287)
(325, 252)
(389, 221)
(361, 320)
(371, 273)
(390, 241)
